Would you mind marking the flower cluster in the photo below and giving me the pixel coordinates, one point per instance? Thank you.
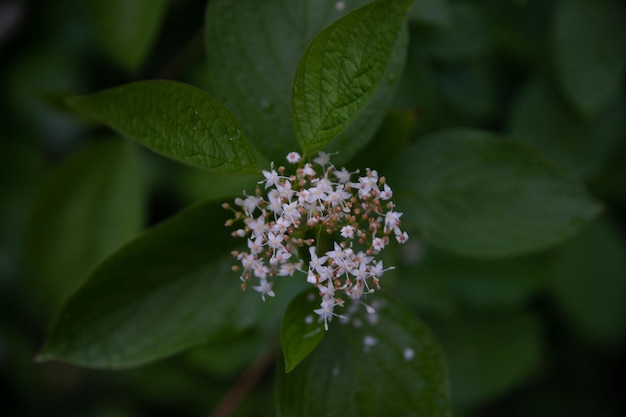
(321, 223)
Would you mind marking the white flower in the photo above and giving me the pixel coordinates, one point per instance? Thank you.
(338, 196)
(293, 157)
(342, 176)
(249, 204)
(265, 289)
(256, 245)
(377, 270)
(258, 226)
(280, 225)
(347, 232)
(323, 159)
(291, 212)
(402, 237)
(316, 262)
(326, 312)
(378, 244)
(308, 170)
(392, 219)
(271, 178)
(274, 241)
(386, 193)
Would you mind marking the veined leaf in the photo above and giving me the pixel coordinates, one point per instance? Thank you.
(387, 364)
(176, 120)
(341, 69)
(168, 289)
(478, 194)
(254, 49)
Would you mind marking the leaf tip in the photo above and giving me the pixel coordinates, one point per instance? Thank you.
(289, 366)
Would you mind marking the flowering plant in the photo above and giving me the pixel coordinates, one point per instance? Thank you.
(358, 101)
(322, 199)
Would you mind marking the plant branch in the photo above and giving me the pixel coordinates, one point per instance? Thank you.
(246, 382)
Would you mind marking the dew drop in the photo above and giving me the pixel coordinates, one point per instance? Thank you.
(340, 6)
(408, 354)
(308, 319)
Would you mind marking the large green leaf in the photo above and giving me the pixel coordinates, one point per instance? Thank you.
(254, 48)
(390, 366)
(168, 289)
(300, 332)
(488, 356)
(590, 283)
(87, 207)
(176, 120)
(478, 194)
(126, 28)
(443, 283)
(544, 121)
(589, 39)
(341, 69)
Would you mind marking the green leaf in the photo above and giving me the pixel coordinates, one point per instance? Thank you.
(478, 194)
(169, 289)
(489, 356)
(341, 69)
(300, 332)
(542, 120)
(254, 49)
(589, 39)
(176, 120)
(590, 283)
(387, 365)
(86, 208)
(127, 29)
(445, 284)
(364, 127)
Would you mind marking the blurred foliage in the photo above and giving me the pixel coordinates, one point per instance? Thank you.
(542, 334)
